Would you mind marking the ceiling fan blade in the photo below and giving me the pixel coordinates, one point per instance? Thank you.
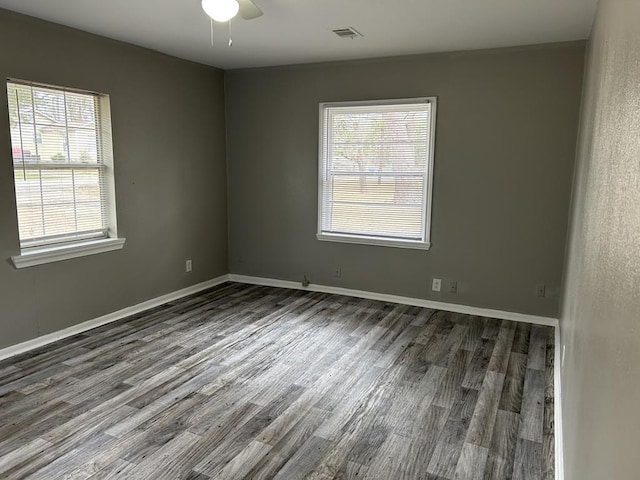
(249, 10)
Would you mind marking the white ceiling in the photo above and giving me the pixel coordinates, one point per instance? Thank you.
(298, 31)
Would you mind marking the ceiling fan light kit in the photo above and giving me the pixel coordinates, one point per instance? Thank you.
(224, 10)
(221, 10)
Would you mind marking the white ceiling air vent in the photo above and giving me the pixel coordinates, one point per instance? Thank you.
(347, 32)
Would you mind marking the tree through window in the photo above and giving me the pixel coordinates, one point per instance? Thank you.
(60, 164)
(376, 161)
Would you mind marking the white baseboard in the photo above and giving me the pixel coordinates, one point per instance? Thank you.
(418, 302)
(108, 318)
(154, 302)
(557, 406)
(451, 307)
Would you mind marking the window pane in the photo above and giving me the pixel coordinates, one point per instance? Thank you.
(396, 220)
(20, 104)
(57, 186)
(375, 169)
(81, 111)
(28, 201)
(16, 144)
(89, 216)
(378, 189)
(87, 185)
(26, 150)
(49, 106)
(83, 146)
(57, 163)
(53, 146)
(59, 219)
(379, 141)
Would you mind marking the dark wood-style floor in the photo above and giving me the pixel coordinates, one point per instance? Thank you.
(254, 382)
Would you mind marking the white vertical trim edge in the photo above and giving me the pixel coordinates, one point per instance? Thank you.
(557, 406)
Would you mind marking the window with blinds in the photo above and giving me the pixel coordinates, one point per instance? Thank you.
(58, 163)
(376, 165)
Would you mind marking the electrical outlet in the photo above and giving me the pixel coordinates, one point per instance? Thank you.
(337, 272)
(436, 285)
(188, 265)
(453, 286)
(541, 290)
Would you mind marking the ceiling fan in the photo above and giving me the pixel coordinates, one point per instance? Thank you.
(225, 10)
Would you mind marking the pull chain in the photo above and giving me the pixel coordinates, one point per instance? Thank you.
(211, 31)
(230, 39)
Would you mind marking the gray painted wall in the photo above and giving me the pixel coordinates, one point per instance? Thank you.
(505, 147)
(600, 321)
(169, 154)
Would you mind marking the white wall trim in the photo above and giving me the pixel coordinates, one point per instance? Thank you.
(557, 406)
(451, 307)
(31, 257)
(108, 318)
(364, 240)
(418, 302)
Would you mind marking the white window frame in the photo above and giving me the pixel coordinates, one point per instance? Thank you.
(425, 242)
(54, 250)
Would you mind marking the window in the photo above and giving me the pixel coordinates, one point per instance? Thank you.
(63, 172)
(376, 170)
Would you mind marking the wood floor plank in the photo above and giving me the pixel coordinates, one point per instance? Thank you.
(503, 446)
(304, 459)
(486, 409)
(501, 353)
(537, 348)
(287, 445)
(528, 463)
(521, 338)
(158, 466)
(391, 463)
(449, 348)
(115, 470)
(412, 423)
(236, 442)
(479, 364)
(445, 457)
(532, 413)
(191, 386)
(472, 462)
(423, 316)
(65, 439)
(425, 438)
(254, 382)
(474, 336)
(213, 437)
(243, 462)
(511, 398)
(362, 434)
(450, 387)
(492, 329)
(23, 453)
(59, 468)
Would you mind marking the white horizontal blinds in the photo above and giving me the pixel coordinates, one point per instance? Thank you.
(58, 164)
(375, 161)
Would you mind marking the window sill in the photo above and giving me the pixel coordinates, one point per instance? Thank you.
(42, 255)
(381, 242)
